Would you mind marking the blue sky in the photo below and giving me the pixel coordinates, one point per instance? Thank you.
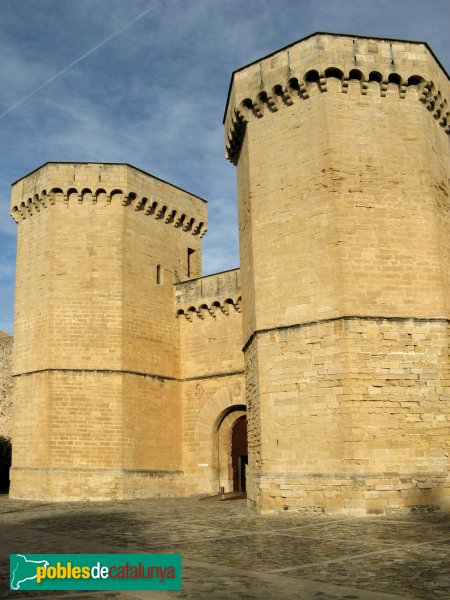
(116, 85)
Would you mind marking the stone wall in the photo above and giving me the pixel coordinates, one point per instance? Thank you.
(353, 415)
(6, 343)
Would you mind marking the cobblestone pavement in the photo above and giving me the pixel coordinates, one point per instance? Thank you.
(230, 552)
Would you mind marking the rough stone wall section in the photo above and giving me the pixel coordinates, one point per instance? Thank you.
(6, 343)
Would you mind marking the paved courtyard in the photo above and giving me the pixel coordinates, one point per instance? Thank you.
(229, 552)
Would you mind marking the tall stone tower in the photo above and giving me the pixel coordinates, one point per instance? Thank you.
(342, 151)
(97, 401)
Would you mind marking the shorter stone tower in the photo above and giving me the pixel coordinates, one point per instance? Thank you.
(342, 151)
(96, 359)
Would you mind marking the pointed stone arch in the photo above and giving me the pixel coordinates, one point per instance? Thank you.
(218, 404)
(213, 432)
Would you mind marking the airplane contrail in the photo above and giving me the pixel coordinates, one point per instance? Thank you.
(77, 60)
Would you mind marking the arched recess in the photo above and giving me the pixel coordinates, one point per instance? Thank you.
(213, 433)
(225, 464)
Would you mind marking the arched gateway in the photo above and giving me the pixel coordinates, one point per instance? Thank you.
(220, 441)
(230, 449)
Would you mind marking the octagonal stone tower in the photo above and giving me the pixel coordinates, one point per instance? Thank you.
(342, 151)
(97, 411)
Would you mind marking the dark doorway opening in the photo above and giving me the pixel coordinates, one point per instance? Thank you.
(239, 455)
(5, 464)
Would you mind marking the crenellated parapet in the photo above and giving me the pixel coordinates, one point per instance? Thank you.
(321, 62)
(209, 297)
(104, 185)
(216, 308)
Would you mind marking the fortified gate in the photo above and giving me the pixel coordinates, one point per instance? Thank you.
(136, 376)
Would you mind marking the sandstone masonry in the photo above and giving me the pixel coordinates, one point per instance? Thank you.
(132, 370)
(5, 385)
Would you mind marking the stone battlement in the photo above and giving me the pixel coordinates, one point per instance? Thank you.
(364, 65)
(210, 295)
(104, 184)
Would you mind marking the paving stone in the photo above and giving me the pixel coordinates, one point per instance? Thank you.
(229, 552)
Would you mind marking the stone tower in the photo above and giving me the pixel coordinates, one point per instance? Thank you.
(342, 151)
(97, 400)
